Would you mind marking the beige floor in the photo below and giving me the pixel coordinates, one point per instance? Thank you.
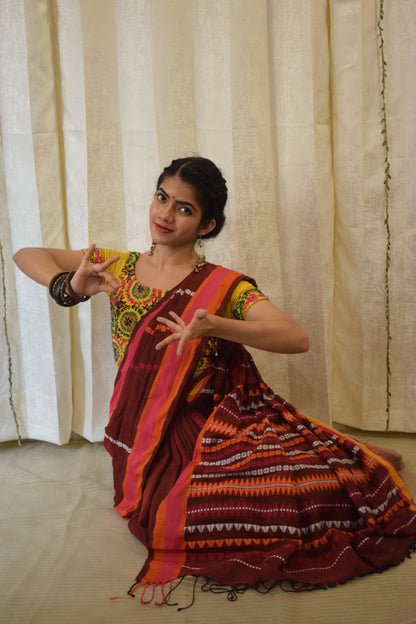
(64, 552)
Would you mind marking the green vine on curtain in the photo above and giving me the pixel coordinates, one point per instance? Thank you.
(387, 178)
(9, 356)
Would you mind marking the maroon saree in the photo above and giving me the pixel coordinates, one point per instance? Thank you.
(221, 478)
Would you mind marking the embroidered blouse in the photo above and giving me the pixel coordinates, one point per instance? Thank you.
(133, 299)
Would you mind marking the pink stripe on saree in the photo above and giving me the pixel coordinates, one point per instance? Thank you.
(167, 373)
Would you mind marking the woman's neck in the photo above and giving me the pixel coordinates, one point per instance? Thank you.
(163, 257)
(165, 268)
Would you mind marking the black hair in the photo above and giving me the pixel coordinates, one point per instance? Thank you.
(208, 184)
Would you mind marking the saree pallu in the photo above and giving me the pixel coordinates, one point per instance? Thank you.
(221, 478)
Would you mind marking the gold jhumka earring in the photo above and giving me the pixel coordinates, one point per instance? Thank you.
(201, 255)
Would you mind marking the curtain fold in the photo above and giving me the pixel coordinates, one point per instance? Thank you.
(285, 96)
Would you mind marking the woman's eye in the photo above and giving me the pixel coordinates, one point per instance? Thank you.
(160, 196)
(185, 210)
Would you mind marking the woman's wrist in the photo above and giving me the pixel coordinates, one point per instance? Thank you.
(62, 292)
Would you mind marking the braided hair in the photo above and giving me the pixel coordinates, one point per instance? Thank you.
(208, 184)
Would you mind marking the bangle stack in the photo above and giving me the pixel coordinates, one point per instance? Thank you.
(61, 291)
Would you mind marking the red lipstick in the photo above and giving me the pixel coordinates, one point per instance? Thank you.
(162, 228)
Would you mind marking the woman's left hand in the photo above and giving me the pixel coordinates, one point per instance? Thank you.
(199, 326)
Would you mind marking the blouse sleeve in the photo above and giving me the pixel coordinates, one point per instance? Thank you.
(243, 297)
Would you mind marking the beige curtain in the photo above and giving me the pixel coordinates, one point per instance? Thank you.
(285, 95)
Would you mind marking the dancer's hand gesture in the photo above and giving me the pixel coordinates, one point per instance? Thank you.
(198, 327)
(87, 279)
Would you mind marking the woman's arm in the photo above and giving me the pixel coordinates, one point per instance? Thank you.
(42, 264)
(266, 327)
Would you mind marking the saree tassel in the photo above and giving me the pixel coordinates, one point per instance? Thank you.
(133, 589)
(145, 599)
(129, 593)
(164, 596)
(196, 578)
(142, 597)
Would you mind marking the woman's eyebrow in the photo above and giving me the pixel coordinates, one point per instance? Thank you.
(184, 203)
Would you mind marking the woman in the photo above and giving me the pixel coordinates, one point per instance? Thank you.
(218, 476)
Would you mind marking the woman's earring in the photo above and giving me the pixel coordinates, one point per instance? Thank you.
(201, 255)
(152, 248)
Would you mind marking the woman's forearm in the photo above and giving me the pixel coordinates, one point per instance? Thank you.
(266, 327)
(277, 336)
(42, 264)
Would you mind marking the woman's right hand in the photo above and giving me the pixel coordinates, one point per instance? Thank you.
(88, 278)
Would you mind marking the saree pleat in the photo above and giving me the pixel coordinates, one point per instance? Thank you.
(173, 455)
(222, 478)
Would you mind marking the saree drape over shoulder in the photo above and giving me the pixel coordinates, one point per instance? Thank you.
(221, 478)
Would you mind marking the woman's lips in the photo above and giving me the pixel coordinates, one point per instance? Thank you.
(162, 228)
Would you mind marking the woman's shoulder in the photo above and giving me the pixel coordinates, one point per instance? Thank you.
(244, 294)
(241, 279)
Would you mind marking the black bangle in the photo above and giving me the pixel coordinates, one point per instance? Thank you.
(55, 287)
(71, 292)
(61, 291)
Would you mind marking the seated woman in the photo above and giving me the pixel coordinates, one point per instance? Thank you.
(217, 475)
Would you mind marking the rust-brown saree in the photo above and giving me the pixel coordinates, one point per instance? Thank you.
(221, 478)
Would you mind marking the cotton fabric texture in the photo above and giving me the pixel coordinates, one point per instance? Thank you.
(285, 98)
(221, 478)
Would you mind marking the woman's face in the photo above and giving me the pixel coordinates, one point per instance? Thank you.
(175, 214)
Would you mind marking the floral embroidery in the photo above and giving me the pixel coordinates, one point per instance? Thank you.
(244, 300)
(133, 300)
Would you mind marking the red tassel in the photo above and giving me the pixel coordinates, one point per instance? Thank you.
(142, 600)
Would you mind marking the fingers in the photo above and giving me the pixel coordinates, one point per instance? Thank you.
(181, 338)
(112, 281)
(109, 262)
(88, 254)
(101, 266)
(93, 277)
(181, 331)
(166, 341)
(177, 318)
(108, 287)
(181, 344)
(99, 271)
(178, 327)
(175, 326)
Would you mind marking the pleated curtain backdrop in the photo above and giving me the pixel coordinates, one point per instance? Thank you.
(96, 96)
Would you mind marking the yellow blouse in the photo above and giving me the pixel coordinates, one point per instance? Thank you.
(133, 299)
